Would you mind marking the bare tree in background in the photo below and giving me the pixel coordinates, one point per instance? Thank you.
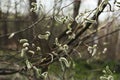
(5, 26)
(95, 26)
(38, 56)
(76, 8)
(33, 17)
(0, 10)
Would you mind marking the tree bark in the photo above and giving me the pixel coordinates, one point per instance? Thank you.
(95, 27)
(5, 26)
(76, 8)
(33, 17)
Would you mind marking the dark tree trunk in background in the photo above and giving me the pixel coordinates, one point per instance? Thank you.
(56, 11)
(17, 26)
(76, 8)
(33, 17)
(0, 11)
(5, 26)
(95, 26)
(118, 47)
(17, 22)
(5, 31)
(0, 23)
(99, 2)
(33, 14)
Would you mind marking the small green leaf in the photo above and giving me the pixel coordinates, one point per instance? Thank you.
(37, 71)
(94, 51)
(26, 48)
(11, 35)
(65, 47)
(108, 75)
(72, 36)
(44, 74)
(23, 40)
(25, 44)
(62, 59)
(38, 48)
(89, 20)
(28, 64)
(46, 36)
(56, 42)
(70, 18)
(51, 57)
(104, 51)
(34, 8)
(61, 19)
(32, 52)
(22, 52)
(90, 49)
(108, 70)
(69, 29)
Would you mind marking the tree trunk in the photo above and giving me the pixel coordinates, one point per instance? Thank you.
(33, 17)
(95, 27)
(5, 26)
(76, 8)
(118, 47)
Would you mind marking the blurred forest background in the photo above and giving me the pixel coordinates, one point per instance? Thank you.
(84, 32)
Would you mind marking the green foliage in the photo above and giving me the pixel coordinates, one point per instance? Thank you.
(65, 61)
(28, 64)
(37, 71)
(108, 75)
